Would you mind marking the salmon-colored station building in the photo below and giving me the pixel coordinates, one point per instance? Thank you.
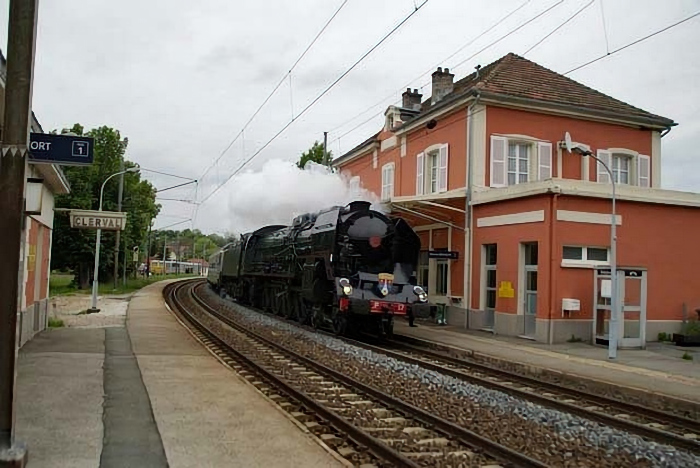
(515, 229)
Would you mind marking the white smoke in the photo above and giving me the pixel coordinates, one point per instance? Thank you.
(280, 191)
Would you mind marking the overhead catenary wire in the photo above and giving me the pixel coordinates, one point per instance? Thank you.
(470, 42)
(561, 25)
(274, 90)
(509, 33)
(317, 98)
(641, 39)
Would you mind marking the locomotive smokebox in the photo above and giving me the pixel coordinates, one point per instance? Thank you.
(358, 206)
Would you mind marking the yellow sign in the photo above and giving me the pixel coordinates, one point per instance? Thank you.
(506, 289)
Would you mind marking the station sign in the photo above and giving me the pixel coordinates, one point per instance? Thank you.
(443, 254)
(105, 220)
(67, 150)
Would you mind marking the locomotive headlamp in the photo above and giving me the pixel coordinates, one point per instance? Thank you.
(420, 292)
(345, 284)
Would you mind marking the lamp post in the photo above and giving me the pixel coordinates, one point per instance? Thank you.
(614, 306)
(95, 283)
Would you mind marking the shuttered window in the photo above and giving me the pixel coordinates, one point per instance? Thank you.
(420, 179)
(602, 174)
(544, 158)
(643, 171)
(387, 182)
(432, 169)
(499, 146)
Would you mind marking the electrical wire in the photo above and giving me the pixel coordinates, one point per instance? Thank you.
(317, 98)
(274, 90)
(561, 25)
(470, 42)
(642, 39)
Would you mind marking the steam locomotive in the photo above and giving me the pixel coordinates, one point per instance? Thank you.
(346, 269)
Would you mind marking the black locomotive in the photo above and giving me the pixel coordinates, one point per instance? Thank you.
(344, 268)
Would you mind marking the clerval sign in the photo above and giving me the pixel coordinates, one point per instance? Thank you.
(105, 220)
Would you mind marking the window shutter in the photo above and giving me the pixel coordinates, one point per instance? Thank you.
(419, 173)
(643, 170)
(442, 171)
(603, 175)
(544, 156)
(499, 146)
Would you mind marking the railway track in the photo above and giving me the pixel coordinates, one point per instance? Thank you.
(364, 425)
(649, 423)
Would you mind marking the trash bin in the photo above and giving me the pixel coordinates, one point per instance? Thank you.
(441, 314)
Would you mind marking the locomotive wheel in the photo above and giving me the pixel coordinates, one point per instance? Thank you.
(340, 324)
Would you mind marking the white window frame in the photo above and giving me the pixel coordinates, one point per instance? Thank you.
(485, 268)
(584, 262)
(540, 159)
(518, 145)
(426, 175)
(388, 177)
(638, 172)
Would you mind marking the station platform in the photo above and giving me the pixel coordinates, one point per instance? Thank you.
(659, 369)
(147, 394)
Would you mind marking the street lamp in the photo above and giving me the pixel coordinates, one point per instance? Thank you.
(95, 283)
(614, 313)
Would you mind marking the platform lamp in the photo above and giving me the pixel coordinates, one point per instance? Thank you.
(572, 147)
(95, 283)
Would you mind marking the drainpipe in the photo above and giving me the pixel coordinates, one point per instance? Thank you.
(552, 261)
(665, 132)
(468, 218)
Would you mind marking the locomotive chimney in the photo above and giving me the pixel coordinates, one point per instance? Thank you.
(359, 206)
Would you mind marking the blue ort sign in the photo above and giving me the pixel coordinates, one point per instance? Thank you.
(67, 150)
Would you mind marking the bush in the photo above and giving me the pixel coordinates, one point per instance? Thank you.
(55, 323)
(663, 336)
(687, 357)
(692, 328)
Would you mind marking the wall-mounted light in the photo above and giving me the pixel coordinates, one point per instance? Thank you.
(432, 123)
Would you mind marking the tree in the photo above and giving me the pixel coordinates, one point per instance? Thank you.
(315, 154)
(74, 249)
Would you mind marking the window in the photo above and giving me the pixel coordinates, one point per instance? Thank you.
(490, 257)
(518, 163)
(627, 168)
(442, 277)
(621, 168)
(387, 182)
(431, 170)
(573, 255)
(519, 160)
(529, 275)
(423, 269)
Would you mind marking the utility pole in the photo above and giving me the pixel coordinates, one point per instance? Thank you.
(165, 244)
(326, 161)
(13, 159)
(148, 249)
(119, 208)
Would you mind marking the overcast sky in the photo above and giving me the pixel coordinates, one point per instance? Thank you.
(180, 78)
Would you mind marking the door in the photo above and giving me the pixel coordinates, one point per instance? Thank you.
(530, 290)
(633, 307)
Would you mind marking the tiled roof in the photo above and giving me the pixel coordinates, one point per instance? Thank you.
(516, 77)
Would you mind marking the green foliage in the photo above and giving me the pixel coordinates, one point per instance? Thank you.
(315, 154)
(55, 323)
(687, 356)
(74, 249)
(663, 336)
(692, 328)
(61, 284)
(188, 243)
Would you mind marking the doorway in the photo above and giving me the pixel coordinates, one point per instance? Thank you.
(632, 283)
(529, 254)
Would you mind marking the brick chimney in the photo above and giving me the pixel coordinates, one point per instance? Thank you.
(411, 99)
(442, 84)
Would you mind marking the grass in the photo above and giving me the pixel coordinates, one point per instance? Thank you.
(61, 284)
(55, 323)
(574, 339)
(687, 357)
